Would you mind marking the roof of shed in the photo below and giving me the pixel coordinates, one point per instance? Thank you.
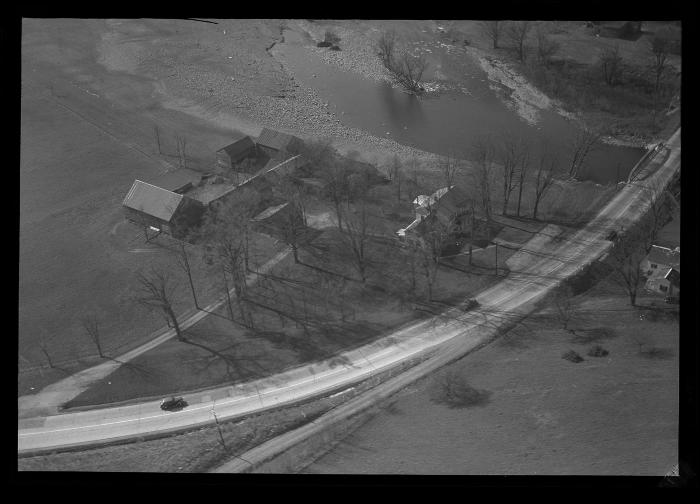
(152, 200)
(276, 139)
(177, 179)
(238, 147)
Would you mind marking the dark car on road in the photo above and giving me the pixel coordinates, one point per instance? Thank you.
(173, 404)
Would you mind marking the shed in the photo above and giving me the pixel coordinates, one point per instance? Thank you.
(178, 181)
(271, 142)
(228, 156)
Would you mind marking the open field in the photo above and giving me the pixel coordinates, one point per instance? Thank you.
(542, 414)
(77, 254)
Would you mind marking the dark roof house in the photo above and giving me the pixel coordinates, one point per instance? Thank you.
(149, 205)
(239, 149)
(275, 141)
(178, 181)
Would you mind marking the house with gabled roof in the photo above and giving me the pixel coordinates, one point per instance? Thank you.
(662, 267)
(273, 142)
(449, 205)
(228, 157)
(162, 210)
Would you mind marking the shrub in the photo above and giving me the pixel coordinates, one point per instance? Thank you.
(656, 353)
(572, 356)
(598, 351)
(331, 37)
(323, 44)
(451, 389)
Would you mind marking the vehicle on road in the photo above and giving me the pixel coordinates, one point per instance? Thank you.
(469, 304)
(173, 404)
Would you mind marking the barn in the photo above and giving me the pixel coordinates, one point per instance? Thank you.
(228, 157)
(178, 181)
(272, 143)
(151, 206)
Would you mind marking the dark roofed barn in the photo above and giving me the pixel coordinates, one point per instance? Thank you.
(151, 206)
(272, 142)
(233, 153)
(178, 181)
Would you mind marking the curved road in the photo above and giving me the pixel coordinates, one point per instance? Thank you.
(535, 270)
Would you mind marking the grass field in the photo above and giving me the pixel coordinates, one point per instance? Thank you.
(610, 415)
(86, 135)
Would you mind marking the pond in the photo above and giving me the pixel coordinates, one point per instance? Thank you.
(444, 123)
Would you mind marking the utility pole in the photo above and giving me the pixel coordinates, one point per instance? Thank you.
(218, 427)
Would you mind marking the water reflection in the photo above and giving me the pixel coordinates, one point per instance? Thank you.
(444, 124)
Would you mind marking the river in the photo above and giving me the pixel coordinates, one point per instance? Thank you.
(467, 105)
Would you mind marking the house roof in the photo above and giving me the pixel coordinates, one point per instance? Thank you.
(238, 147)
(674, 276)
(208, 193)
(177, 179)
(276, 139)
(664, 256)
(152, 200)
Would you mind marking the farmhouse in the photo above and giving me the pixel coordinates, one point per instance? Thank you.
(662, 266)
(660, 258)
(449, 205)
(166, 211)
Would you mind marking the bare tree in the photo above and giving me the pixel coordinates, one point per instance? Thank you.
(92, 329)
(406, 69)
(358, 233)
(492, 30)
(626, 258)
(432, 239)
(510, 151)
(395, 175)
(449, 168)
(183, 262)
(517, 33)
(544, 176)
(546, 46)
(483, 152)
(156, 290)
(337, 178)
(181, 143)
(44, 347)
(659, 49)
(564, 305)
(583, 142)
(611, 64)
(523, 170)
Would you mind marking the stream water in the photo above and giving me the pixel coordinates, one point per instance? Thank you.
(444, 123)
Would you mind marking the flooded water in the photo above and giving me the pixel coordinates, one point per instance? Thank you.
(443, 124)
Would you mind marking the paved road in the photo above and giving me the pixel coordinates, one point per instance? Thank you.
(543, 263)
